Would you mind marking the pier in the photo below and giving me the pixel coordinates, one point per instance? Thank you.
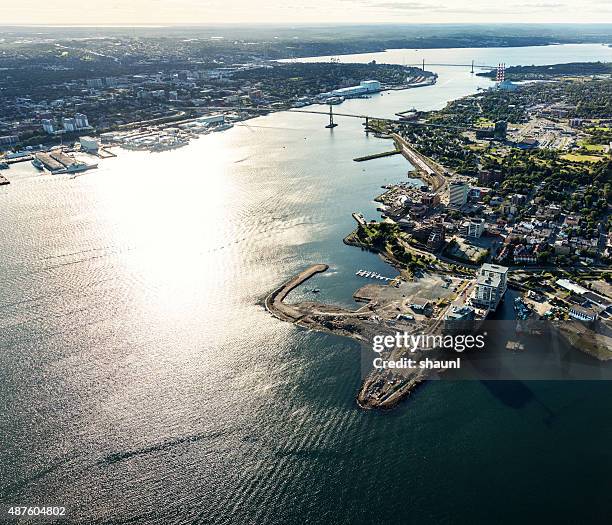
(378, 155)
(49, 162)
(56, 161)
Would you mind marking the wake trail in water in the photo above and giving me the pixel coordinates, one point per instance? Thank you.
(117, 457)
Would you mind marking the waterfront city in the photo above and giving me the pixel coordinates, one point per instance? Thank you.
(209, 250)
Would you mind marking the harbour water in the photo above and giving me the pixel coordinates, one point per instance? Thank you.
(143, 382)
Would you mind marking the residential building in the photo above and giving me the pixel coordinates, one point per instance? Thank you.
(81, 121)
(430, 233)
(9, 140)
(436, 238)
(472, 228)
(458, 192)
(491, 284)
(524, 255)
(69, 124)
(96, 83)
(48, 126)
(431, 199)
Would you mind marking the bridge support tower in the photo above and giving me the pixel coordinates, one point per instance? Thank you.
(331, 124)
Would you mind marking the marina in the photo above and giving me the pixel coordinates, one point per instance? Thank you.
(372, 275)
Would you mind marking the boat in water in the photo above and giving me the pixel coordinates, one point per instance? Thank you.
(169, 145)
(334, 101)
(77, 167)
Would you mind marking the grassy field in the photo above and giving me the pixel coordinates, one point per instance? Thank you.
(592, 147)
(581, 158)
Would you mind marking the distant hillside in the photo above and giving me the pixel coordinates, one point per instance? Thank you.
(573, 69)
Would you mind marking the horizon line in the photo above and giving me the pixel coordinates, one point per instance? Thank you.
(304, 24)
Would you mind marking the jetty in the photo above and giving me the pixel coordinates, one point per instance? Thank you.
(378, 155)
(274, 302)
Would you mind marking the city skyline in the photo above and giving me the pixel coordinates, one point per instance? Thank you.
(157, 12)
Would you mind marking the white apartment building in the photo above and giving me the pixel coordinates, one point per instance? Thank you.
(473, 228)
(48, 126)
(491, 284)
(81, 121)
(69, 124)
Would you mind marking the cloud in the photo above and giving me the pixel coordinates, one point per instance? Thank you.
(442, 8)
(542, 5)
(408, 6)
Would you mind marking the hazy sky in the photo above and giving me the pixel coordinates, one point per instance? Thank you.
(126, 12)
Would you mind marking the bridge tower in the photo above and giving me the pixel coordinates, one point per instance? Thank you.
(331, 124)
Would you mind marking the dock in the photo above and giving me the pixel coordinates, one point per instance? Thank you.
(57, 161)
(16, 160)
(49, 162)
(359, 218)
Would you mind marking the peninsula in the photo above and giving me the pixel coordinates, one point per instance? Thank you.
(492, 213)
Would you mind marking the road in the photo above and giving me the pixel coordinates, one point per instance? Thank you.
(434, 171)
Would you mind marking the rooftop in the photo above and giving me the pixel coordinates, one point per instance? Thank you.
(486, 280)
(488, 267)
